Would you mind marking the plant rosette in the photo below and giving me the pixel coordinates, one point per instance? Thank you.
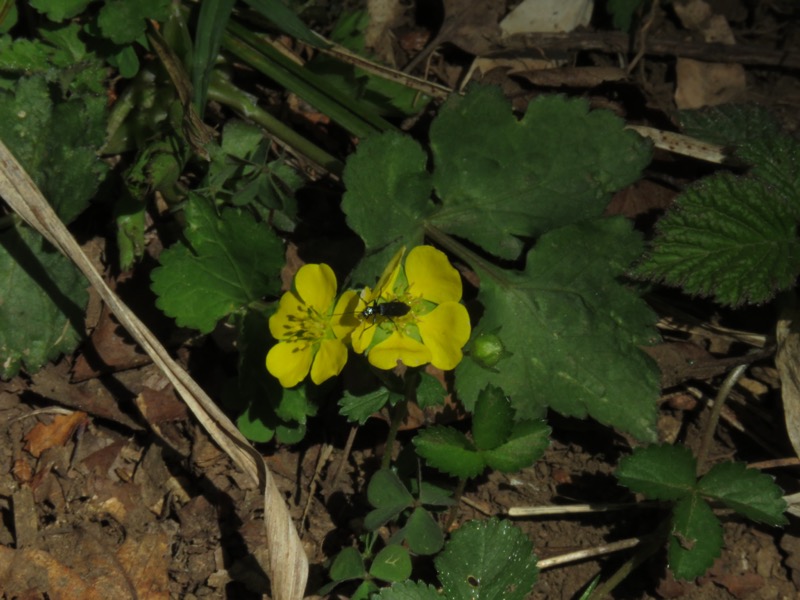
(433, 329)
(310, 337)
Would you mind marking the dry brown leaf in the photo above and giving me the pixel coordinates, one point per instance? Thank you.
(787, 359)
(57, 433)
(144, 561)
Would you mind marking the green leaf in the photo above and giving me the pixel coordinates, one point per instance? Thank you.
(43, 301)
(388, 191)
(492, 418)
(360, 408)
(573, 331)
(430, 392)
(231, 262)
(659, 472)
(525, 444)
(747, 491)
(392, 563)
(731, 238)
(211, 21)
(386, 489)
(450, 451)
(500, 178)
(423, 534)
(288, 22)
(55, 143)
(347, 565)
(489, 559)
(60, 10)
(696, 538)
(409, 590)
(124, 21)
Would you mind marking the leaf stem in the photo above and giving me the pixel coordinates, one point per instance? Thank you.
(399, 412)
(453, 512)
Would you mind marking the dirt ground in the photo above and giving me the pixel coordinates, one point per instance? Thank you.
(109, 489)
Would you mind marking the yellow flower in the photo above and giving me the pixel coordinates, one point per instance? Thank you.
(309, 339)
(435, 325)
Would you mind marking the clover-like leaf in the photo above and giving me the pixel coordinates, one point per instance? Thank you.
(422, 532)
(392, 563)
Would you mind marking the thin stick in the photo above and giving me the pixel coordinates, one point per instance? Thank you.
(536, 511)
(569, 557)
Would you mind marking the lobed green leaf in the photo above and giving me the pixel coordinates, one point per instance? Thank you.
(696, 538)
(450, 451)
(659, 472)
(747, 491)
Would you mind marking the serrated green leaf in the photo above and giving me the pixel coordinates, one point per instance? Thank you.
(347, 565)
(388, 191)
(59, 10)
(232, 261)
(573, 331)
(492, 418)
(430, 392)
(392, 563)
(124, 21)
(360, 408)
(500, 178)
(659, 472)
(526, 442)
(450, 451)
(55, 143)
(747, 491)
(43, 301)
(696, 538)
(409, 590)
(731, 238)
(487, 559)
(423, 534)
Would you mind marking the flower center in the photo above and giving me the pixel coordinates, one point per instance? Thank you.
(306, 325)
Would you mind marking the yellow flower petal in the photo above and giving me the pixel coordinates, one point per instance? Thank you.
(444, 331)
(345, 314)
(431, 275)
(291, 311)
(329, 361)
(389, 276)
(398, 347)
(362, 336)
(289, 362)
(316, 285)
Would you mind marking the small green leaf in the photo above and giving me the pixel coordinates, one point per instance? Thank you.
(492, 418)
(43, 301)
(347, 565)
(525, 444)
(422, 532)
(489, 559)
(365, 590)
(659, 472)
(60, 10)
(124, 21)
(430, 391)
(696, 538)
(731, 238)
(360, 408)
(392, 563)
(232, 261)
(747, 491)
(386, 489)
(409, 590)
(450, 451)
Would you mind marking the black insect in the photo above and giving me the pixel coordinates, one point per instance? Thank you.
(387, 309)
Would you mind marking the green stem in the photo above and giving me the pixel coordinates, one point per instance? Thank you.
(223, 91)
(716, 411)
(453, 513)
(399, 413)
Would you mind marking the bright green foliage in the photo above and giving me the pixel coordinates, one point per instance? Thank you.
(487, 559)
(58, 10)
(55, 141)
(668, 473)
(387, 493)
(695, 540)
(409, 590)
(124, 21)
(360, 408)
(623, 12)
(430, 392)
(659, 472)
(728, 237)
(573, 331)
(43, 302)
(499, 441)
(392, 563)
(747, 491)
(230, 261)
(348, 564)
(734, 237)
